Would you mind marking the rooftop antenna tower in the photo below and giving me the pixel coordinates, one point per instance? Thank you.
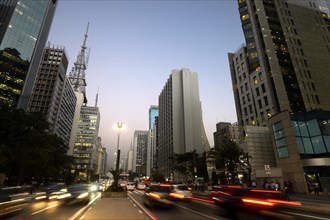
(77, 74)
(97, 97)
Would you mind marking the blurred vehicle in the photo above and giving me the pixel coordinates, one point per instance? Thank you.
(180, 191)
(79, 193)
(130, 186)
(52, 191)
(158, 196)
(123, 183)
(252, 203)
(141, 186)
(97, 187)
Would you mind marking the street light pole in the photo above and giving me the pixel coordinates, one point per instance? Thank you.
(119, 127)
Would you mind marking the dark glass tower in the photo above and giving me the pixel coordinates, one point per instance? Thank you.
(285, 62)
(24, 28)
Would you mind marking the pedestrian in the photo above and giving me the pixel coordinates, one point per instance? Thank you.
(254, 184)
(316, 188)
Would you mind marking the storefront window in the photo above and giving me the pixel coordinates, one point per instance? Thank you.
(313, 128)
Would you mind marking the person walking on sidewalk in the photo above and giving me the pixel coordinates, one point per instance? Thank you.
(316, 188)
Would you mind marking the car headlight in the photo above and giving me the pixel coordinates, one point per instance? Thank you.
(83, 195)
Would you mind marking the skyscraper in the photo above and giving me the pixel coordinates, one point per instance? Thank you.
(281, 79)
(152, 138)
(180, 124)
(140, 144)
(53, 95)
(24, 28)
(285, 63)
(86, 145)
(153, 113)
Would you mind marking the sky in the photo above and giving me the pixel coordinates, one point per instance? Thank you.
(135, 45)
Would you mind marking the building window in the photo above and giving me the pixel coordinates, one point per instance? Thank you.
(280, 140)
(263, 88)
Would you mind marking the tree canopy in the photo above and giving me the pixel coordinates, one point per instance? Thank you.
(229, 159)
(28, 150)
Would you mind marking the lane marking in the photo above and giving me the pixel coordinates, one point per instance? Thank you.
(151, 215)
(49, 207)
(83, 209)
(198, 213)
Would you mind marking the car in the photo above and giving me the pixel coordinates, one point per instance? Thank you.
(130, 186)
(250, 203)
(181, 192)
(141, 186)
(158, 196)
(52, 191)
(78, 193)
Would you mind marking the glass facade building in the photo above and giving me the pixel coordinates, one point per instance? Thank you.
(302, 147)
(24, 28)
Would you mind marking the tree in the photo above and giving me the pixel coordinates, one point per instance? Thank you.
(157, 177)
(184, 163)
(28, 150)
(228, 160)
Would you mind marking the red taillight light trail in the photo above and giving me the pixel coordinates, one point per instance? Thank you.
(202, 200)
(257, 202)
(176, 195)
(155, 195)
(284, 202)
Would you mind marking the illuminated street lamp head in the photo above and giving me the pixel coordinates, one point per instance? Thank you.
(119, 126)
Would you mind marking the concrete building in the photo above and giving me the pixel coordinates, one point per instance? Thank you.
(87, 142)
(180, 125)
(283, 67)
(280, 68)
(226, 132)
(24, 31)
(101, 159)
(53, 95)
(140, 144)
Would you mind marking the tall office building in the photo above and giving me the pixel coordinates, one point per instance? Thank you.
(53, 95)
(151, 149)
(180, 124)
(86, 145)
(153, 113)
(285, 63)
(140, 144)
(283, 72)
(24, 28)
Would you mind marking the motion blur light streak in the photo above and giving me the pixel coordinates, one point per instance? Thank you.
(262, 190)
(155, 195)
(284, 202)
(257, 202)
(176, 195)
(202, 200)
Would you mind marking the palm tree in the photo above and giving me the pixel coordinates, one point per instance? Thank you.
(228, 159)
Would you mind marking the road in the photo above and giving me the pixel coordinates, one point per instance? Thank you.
(199, 210)
(47, 209)
(183, 209)
(204, 210)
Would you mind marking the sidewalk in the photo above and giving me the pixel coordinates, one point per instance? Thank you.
(119, 208)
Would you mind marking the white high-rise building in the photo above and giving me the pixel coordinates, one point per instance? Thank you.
(180, 124)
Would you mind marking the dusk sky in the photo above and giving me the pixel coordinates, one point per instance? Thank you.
(134, 47)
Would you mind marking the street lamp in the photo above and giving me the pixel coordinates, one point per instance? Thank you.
(119, 127)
